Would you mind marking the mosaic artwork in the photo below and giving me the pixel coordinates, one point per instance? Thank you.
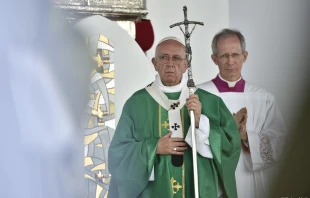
(99, 117)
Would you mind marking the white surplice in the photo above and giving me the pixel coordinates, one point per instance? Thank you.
(266, 133)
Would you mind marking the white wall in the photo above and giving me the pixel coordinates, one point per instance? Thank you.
(214, 15)
(277, 35)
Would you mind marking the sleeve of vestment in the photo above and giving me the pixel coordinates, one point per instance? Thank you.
(267, 140)
(225, 145)
(201, 137)
(130, 159)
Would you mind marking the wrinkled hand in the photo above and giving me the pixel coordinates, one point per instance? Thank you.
(166, 144)
(193, 104)
(241, 118)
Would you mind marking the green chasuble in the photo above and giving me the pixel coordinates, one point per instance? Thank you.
(132, 153)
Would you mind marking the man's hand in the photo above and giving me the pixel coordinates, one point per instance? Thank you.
(171, 145)
(241, 118)
(240, 115)
(193, 104)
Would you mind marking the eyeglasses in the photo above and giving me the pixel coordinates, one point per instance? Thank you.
(234, 56)
(165, 58)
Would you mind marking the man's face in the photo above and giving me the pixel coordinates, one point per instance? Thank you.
(229, 58)
(170, 62)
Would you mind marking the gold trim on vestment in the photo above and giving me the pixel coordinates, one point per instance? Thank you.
(159, 120)
(183, 166)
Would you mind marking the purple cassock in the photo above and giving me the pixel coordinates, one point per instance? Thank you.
(222, 86)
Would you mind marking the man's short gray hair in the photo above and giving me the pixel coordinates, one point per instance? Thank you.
(227, 33)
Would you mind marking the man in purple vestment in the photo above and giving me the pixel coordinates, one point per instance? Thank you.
(259, 120)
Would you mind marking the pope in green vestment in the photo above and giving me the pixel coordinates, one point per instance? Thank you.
(133, 158)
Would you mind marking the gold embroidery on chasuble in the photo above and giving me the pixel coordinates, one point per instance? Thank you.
(183, 166)
(165, 124)
(175, 186)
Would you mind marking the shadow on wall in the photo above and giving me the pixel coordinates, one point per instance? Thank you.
(294, 177)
